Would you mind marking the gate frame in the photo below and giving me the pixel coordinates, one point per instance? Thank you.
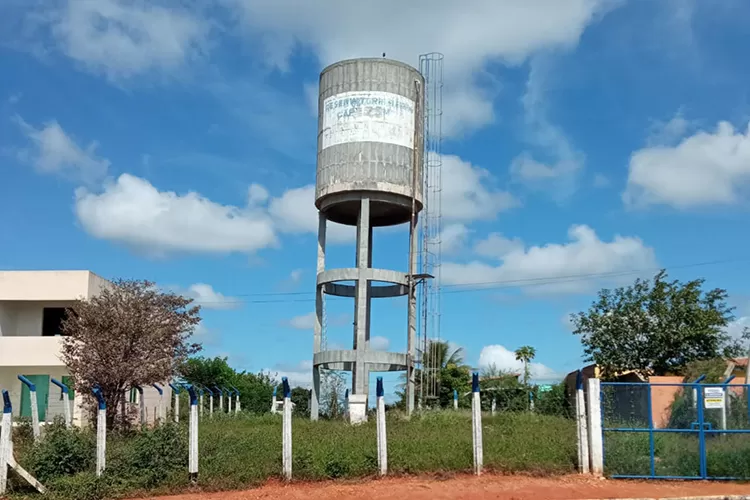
(698, 428)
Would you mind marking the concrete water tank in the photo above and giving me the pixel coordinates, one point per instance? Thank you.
(368, 133)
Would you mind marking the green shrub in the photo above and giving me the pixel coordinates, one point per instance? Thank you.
(61, 452)
(150, 456)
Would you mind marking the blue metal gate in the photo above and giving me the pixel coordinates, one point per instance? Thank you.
(676, 431)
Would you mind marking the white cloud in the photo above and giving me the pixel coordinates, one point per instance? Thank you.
(559, 268)
(668, 133)
(299, 374)
(737, 327)
(303, 322)
(208, 298)
(307, 321)
(706, 168)
(132, 211)
(507, 31)
(204, 335)
(453, 238)
(566, 322)
(468, 193)
(55, 152)
(378, 343)
(257, 195)
(505, 359)
(601, 181)
(292, 282)
(497, 246)
(123, 38)
(295, 212)
(565, 160)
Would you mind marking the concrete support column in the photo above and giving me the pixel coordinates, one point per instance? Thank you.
(369, 306)
(412, 320)
(359, 376)
(318, 327)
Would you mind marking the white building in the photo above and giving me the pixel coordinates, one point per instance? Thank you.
(32, 306)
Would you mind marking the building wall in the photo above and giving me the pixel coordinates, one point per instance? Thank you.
(46, 285)
(24, 318)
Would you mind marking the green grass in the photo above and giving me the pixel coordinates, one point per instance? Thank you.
(676, 454)
(243, 451)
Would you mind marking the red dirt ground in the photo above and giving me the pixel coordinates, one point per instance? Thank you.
(469, 487)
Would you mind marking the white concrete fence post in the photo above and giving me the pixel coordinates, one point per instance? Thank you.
(286, 457)
(7, 461)
(455, 399)
(476, 421)
(229, 400)
(34, 406)
(200, 401)
(159, 414)
(596, 440)
(193, 435)
(66, 401)
(236, 400)
(210, 402)
(493, 407)
(382, 436)
(221, 398)
(273, 400)
(141, 405)
(5, 429)
(101, 432)
(346, 405)
(581, 426)
(176, 393)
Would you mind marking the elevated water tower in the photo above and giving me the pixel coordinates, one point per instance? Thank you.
(369, 174)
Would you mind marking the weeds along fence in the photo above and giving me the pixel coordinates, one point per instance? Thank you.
(241, 450)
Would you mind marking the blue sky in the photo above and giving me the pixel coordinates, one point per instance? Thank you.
(175, 141)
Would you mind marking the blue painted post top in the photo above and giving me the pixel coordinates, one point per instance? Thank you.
(379, 392)
(217, 390)
(139, 389)
(455, 394)
(59, 384)
(7, 407)
(274, 391)
(100, 398)
(193, 395)
(236, 391)
(175, 388)
(27, 382)
(579, 380)
(287, 390)
(158, 388)
(475, 382)
(209, 391)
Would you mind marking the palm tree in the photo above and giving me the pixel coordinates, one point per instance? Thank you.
(436, 358)
(525, 354)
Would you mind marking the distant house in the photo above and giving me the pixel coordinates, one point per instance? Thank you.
(33, 305)
(631, 402)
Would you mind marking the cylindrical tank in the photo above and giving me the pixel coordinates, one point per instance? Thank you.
(370, 126)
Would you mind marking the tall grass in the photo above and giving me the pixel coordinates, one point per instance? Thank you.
(242, 451)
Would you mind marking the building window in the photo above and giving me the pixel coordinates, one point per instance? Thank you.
(52, 318)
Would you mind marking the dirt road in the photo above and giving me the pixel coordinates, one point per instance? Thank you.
(469, 487)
